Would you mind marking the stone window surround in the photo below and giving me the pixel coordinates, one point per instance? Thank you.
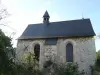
(41, 51)
(73, 44)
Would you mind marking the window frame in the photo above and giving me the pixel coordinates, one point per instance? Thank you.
(68, 52)
(35, 51)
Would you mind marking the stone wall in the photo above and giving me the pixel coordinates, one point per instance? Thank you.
(25, 46)
(50, 52)
(84, 52)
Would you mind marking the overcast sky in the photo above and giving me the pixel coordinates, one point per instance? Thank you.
(24, 12)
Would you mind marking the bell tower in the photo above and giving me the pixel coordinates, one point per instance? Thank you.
(46, 18)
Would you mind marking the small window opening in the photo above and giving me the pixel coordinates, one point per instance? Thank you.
(37, 51)
(44, 18)
(69, 52)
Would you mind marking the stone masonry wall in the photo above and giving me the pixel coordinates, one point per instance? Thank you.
(84, 52)
(25, 46)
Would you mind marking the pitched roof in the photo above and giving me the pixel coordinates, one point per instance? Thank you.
(72, 28)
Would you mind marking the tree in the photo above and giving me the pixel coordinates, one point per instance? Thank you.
(3, 15)
(98, 58)
(7, 53)
(96, 67)
(5, 62)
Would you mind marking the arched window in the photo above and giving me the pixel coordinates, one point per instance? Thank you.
(37, 51)
(69, 52)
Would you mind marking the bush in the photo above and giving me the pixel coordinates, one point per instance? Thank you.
(49, 68)
(61, 69)
(96, 67)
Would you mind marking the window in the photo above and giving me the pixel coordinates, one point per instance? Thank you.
(51, 41)
(37, 51)
(44, 18)
(69, 52)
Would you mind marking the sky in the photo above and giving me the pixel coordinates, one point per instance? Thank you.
(24, 12)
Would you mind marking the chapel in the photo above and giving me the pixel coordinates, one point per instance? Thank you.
(66, 41)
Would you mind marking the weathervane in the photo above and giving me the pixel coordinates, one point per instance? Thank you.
(82, 16)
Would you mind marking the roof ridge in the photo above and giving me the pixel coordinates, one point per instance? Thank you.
(62, 21)
(71, 20)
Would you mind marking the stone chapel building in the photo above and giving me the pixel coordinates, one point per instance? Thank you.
(65, 41)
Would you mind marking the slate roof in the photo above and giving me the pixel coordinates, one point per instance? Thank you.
(72, 28)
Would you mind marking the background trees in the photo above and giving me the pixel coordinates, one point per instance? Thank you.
(96, 67)
(6, 49)
(5, 61)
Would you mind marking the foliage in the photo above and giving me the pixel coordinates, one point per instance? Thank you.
(98, 58)
(28, 66)
(5, 62)
(61, 69)
(96, 67)
(5, 41)
(24, 69)
(29, 59)
(53, 69)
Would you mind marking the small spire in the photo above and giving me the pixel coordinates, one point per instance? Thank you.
(46, 14)
(46, 17)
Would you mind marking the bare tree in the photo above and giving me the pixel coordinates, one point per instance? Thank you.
(3, 15)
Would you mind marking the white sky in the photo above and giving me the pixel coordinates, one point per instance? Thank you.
(20, 19)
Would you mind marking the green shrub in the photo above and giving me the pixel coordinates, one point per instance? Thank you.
(61, 69)
(49, 68)
(96, 67)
